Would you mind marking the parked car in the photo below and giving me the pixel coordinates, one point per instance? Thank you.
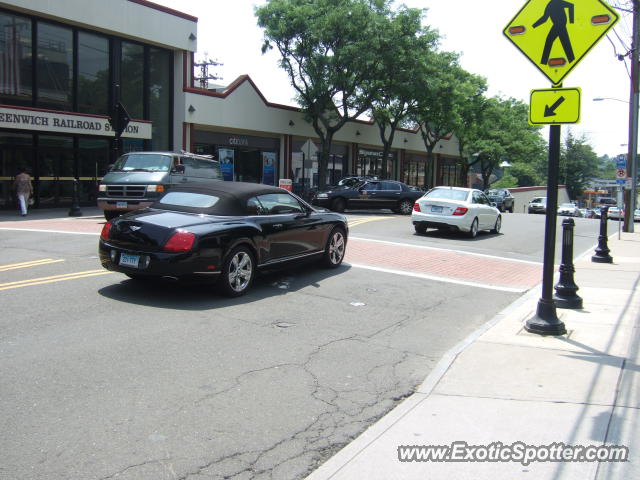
(228, 230)
(608, 201)
(138, 179)
(636, 215)
(538, 205)
(569, 209)
(350, 181)
(369, 194)
(455, 208)
(502, 198)
(615, 213)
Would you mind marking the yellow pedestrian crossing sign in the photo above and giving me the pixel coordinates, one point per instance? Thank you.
(554, 106)
(556, 34)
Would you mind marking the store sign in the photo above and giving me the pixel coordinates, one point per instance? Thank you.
(48, 121)
(239, 141)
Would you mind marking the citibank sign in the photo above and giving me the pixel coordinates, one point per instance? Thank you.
(60, 122)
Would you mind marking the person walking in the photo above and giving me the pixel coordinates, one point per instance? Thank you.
(24, 189)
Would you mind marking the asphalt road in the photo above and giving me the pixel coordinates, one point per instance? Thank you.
(102, 377)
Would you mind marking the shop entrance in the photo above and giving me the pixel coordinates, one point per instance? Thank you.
(248, 167)
(53, 162)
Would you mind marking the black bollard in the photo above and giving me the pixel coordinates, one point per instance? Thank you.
(602, 252)
(566, 288)
(75, 211)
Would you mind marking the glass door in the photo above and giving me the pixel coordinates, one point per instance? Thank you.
(15, 152)
(55, 171)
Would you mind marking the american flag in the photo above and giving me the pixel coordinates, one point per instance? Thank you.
(10, 55)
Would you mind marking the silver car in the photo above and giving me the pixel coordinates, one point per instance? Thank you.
(569, 209)
(454, 208)
(538, 205)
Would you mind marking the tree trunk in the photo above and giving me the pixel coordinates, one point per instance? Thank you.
(323, 160)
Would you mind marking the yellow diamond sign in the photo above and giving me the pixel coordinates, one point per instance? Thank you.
(556, 34)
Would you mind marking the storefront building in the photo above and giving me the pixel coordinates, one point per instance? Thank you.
(58, 83)
(64, 69)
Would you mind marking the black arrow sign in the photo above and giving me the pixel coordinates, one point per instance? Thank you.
(550, 111)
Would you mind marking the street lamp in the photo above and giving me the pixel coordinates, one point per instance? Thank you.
(600, 99)
(632, 160)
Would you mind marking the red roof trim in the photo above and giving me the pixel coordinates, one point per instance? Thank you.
(170, 11)
(246, 78)
(233, 86)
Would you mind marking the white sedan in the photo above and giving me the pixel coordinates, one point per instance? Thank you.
(615, 213)
(455, 208)
(568, 209)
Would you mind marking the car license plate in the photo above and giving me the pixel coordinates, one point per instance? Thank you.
(127, 260)
(436, 209)
(121, 204)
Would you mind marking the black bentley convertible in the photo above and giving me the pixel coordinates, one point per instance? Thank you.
(224, 229)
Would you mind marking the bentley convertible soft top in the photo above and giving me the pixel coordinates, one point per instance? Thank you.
(229, 230)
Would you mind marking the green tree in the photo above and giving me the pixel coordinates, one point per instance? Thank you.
(578, 164)
(505, 134)
(437, 110)
(471, 108)
(607, 167)
(331, 50)
(526, 173)
(404, 63)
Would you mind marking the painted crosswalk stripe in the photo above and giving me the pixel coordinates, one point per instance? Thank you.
(33, 263)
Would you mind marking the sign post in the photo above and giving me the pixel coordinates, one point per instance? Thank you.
(555, 35)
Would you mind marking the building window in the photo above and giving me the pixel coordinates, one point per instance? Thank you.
(132, 79)
(449, 173)
(370, 163)
(93, 73)
(415, 168)
(304, 170)
(160, 87)
(16, 77)
(55, 67)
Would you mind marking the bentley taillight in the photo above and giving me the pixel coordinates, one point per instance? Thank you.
(104, 235)
(180, 241)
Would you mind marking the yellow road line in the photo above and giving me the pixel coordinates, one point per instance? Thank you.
(33, 263)
(54, 278)
(360, 221)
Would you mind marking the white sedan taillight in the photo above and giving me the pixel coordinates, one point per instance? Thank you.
(460, 211)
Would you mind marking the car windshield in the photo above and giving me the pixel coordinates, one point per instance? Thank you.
(448, 194)
(188, 199)
(347, 182)
(143, 163)
(538, 200)
(567, 205)
(498, 193)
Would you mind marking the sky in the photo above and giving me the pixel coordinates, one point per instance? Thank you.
(228, 33)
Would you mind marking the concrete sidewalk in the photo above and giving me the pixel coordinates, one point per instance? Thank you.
(506, 385)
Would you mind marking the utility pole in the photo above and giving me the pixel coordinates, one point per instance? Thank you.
(204, 76)
(632, 160)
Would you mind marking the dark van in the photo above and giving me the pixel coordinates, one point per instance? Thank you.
(138, 179)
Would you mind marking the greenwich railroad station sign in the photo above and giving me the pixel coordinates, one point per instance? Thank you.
(62, 122)
(556, 34)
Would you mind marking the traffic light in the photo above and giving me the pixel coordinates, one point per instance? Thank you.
(119, 119)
